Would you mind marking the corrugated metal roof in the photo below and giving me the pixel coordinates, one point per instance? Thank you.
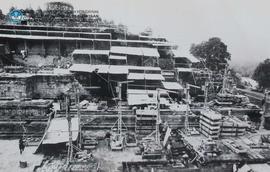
(89, 68)
(58, 131)
(138, 91)
(150, 76)
(136, 76)
(102, 68)
(152, 52)
(82, 51)
(114, 69)
(116, 57)
(148, 68)
(139, 51)
(118, 69)
(81, 68)
(146, 76)
(182, 69)
(186, 55)
(172, 86)
(126, 50)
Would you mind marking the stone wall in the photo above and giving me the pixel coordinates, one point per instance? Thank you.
(50, 86)
(16, 129)
(23, 113)
(37, 86)
(17, 110)
(15, 87)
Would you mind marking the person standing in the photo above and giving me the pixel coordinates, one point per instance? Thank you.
(169, 152)
(21, 145)
(108, 138)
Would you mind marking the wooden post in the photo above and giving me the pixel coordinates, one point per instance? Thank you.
(120, 110)
(79, 116)
(25, 45)
(59, 48)
(158, 117)
(67, 116)
(205, 94)
(70, 145)
(43, 48)
(187, 110)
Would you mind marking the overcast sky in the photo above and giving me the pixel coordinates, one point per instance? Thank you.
(244, 25)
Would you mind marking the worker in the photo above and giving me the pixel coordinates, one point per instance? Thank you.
(185, 158)
(169, 152)
(107, 139)
(24, 54)
(21, 145)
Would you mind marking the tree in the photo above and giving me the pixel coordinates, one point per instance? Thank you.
(29, 12)
(39, 13)
(83, 17)
(11, 8)
(59, 9)
(213, 52)
(2, 16)
(262, 74)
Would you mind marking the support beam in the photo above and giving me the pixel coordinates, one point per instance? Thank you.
(43, 50)
(59, 48)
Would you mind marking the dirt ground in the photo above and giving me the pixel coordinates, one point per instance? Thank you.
(10, 157)
(111, 161)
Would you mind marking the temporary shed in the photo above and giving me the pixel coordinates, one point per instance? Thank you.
(172, 86)
(187, 55)
(139, 51)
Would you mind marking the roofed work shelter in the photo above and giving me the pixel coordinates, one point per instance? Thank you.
(144, 77)
(58, 43)
(56, 137)
(100, 80)
(184, 59)
(137, 56)
(94, 57)
(118, 59)
(185, 75)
